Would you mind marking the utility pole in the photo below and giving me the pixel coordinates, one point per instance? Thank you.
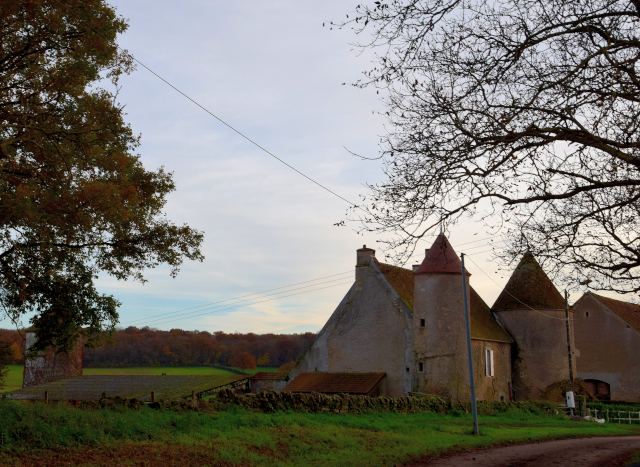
(566, 315)
(472, 384)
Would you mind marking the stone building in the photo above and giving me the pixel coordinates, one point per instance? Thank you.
(533, 312)
(50, 366)
(410, 326)
(607, 334)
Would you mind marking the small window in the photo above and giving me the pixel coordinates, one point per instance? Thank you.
(489, 362)
(407, 369)
(422, 323)
(501, 398)
(586, 314)
(420, 366)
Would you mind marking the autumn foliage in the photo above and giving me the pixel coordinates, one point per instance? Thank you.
(244, 361)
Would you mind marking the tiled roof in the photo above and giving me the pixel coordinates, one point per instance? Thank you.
(91, 387)
(401, 280)
(441, 258)
(483, 324)
(335, 383)
(263, 375)
(625, 310)
(531, 287)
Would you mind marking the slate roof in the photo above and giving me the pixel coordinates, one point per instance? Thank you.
(91, 387)
(441, 258)
(268, 375)
(335, 383)
(531, 287)
(483, 324)
(629, 312)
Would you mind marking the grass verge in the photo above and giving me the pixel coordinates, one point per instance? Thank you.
(239, 437)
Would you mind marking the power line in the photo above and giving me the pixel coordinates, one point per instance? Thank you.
(237, 298)
(218, 118)
(185, 315)
(254, 303)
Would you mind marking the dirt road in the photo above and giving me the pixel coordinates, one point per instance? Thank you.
(583, 452)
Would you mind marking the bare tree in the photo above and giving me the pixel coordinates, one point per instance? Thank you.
(522, 113)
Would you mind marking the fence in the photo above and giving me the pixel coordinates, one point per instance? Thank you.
(632, 417)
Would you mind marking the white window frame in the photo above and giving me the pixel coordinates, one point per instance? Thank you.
(488, 366)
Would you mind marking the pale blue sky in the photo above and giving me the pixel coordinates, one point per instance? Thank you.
(271, 70)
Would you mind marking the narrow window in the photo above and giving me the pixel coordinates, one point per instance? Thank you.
(586, 314)
(422, 323)
(407, 369)
(489, 362)
(420, 366)
(501, 398)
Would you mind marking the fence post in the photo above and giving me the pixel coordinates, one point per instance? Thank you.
(104, 395)
(193, 398)
(607, 415)
(153, 396)
(46, 397)
(629, 417)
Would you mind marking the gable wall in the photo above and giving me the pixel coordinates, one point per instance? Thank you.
(370, 331)
(608, 350)
(491, 388)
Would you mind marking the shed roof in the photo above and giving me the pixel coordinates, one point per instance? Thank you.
(441, 258)
(629, 312)
(269, 375)
(529, 286)
(91, 387)
(335, 383)
(483, 324)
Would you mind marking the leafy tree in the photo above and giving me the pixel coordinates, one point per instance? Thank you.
(264, 360)
(244, 361)
(287, 367)
(16, 353)
(522, 113)
(6, 355)
(75, 199)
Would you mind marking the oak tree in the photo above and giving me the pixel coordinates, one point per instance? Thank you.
(75, 199)
(521, 113)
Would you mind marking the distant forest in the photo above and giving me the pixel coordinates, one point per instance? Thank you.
(132, 347)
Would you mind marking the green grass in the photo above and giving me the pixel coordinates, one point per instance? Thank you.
(240, 437)
(14, 378)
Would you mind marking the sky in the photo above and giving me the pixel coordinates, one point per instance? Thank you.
(273, 72)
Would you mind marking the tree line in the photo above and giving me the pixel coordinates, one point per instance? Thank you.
(133, 347)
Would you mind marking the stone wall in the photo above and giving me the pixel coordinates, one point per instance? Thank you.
(323, 403)
(50, 366)
(607, 349)
(540, 355)
(492, 388)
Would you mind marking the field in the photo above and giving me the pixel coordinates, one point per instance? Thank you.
(14, 379)
(35, 434)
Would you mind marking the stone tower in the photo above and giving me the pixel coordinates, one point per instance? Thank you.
(50, 366)
(532, 310)
(440, 349)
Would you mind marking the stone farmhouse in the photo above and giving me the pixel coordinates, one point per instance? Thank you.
(410, 325)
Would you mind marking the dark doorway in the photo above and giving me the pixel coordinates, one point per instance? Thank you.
(600, 389)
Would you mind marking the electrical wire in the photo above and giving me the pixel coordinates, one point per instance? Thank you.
(250, 301)
(255, 303)
(218, 118)
(241, 296)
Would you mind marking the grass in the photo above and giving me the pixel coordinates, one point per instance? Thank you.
(14, 378)
(239, 437)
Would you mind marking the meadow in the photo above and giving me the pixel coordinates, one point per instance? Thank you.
(37, 434)
(14, 378)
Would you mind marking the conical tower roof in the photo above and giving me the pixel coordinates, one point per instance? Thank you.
(529, 286)
(440, 259)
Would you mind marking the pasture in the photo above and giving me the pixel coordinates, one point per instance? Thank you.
(14, 378)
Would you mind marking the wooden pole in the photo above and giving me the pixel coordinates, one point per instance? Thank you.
(46, 397)
(472, 384)
(153, 396)
(193, 398)
(104, 395)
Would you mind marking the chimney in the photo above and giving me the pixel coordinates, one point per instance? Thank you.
(364, 256)
(416, 266)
